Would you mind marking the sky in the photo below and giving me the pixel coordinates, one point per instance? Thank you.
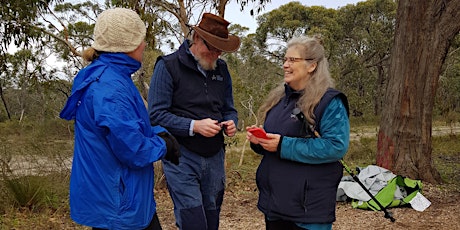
(235, 16)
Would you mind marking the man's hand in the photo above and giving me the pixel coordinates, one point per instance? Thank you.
(229, 127)
(172, 147)
(207, 127)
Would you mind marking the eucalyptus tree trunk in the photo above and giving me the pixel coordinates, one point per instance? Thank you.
(4, 102)
(423, 34)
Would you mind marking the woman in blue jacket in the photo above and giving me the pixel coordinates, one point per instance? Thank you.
(111, 183)
(307, 127)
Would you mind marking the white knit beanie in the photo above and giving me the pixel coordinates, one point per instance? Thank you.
(118, 30)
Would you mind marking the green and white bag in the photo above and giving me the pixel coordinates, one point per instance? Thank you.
(389, 189)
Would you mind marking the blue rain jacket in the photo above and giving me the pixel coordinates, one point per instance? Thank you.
(112, 178)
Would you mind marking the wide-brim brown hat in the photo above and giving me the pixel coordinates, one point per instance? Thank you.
(213, 29)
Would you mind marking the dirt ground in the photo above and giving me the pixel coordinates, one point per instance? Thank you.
(240, 212)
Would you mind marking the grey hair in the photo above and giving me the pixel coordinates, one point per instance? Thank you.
(316, 85)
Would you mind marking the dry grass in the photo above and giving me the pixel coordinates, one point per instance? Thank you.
(239, 210)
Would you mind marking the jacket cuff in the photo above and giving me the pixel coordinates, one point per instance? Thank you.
(256, 148)
(278, 148)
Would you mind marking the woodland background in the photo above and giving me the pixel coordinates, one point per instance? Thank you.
(358, 39)
(363, 47)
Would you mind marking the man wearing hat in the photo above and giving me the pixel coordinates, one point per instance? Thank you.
(111, 184)
(191, 96)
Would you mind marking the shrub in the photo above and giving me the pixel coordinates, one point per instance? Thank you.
(25, 192)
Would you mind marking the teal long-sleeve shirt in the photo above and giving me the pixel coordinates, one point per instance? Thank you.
(330, 147)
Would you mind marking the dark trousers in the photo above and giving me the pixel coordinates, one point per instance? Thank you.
(154, 224)
(196, 187)
(281, 225)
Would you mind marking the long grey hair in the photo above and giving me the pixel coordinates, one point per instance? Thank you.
(316, 85)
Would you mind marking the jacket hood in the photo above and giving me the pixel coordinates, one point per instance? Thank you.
(124, 65)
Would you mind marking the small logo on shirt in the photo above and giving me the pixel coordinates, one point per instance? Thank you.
(217, 78)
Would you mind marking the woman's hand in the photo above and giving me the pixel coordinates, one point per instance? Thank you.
(253, 139)
(270, 144)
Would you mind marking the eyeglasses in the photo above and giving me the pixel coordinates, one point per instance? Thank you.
(210, 48)
(291, 60)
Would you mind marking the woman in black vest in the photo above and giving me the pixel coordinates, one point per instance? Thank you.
(300, 170)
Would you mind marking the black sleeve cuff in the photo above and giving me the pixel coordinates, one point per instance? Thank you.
(256, 148)
(278, 149)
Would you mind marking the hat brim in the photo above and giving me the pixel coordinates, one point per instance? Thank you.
(230, 44)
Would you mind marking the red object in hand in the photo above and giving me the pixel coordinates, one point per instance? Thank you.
(258, 132)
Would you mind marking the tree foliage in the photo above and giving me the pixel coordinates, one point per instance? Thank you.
(360, 56)
(357, 37)
(448, 99)
(17, 20)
